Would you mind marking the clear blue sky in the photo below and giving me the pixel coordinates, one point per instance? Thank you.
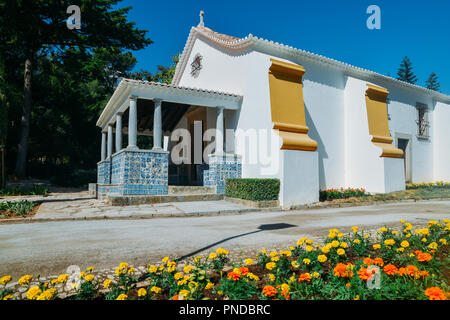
(336, 29)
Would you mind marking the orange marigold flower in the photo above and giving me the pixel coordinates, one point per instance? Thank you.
(424, 256)
(402, 272)
(378, 261)
(304, 277)
(269, 291)
(343, 270)
(390, 269)
(234, 276)
(435, 293)
(348, 285)
(424, 274)
(364, 274)
(244, 270)
(368, 261)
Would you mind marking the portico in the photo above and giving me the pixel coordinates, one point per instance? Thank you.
(154, 109)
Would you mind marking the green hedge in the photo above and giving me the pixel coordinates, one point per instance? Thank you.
(252, 189)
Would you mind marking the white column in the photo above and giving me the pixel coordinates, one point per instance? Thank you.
(132, 123)
(110, 140)
(157, 125)
(103, 154)
(119, 132)
(219, 131)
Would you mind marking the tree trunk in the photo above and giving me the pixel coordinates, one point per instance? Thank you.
(22, 149)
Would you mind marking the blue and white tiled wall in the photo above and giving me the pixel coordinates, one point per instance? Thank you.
(104, 172)
(141, 172)
(220, 168)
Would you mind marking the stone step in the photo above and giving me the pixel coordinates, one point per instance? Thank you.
(132, 200)
(183, 190)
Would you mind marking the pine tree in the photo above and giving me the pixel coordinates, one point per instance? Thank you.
(405, 72)
(432, 83)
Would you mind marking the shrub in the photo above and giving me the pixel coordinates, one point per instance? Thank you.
(252, 189)
(36, 189)
(19, 208)
(428, 185)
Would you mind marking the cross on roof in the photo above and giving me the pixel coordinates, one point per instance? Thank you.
(201, 24)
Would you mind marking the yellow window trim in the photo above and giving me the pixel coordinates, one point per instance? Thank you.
(287, 107)
(377, 118)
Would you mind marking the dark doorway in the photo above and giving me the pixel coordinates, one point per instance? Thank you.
(403, 144)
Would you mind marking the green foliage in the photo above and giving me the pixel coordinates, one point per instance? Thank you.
(405, 72)
(19, 208)
(164, 74)
(36, 189)
(252, 189)
(432, 82)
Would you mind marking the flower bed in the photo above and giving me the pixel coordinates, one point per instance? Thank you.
(331, 194)
(405, 264)
(16, 209)
(428, 185)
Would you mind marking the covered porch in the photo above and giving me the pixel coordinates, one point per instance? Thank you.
(156, 110)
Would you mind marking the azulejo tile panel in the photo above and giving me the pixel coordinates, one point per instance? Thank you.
(221, 168)
(139, 172)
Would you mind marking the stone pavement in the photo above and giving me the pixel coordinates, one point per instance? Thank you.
(84, 206)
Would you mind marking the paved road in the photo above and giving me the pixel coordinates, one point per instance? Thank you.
(48, 248)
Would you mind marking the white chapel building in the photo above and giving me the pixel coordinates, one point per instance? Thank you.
(275, 112)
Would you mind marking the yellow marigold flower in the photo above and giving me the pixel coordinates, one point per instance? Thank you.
(161, 268)
(332, 235)
(209, 286)
(408, 235)
(424, 240)
(47, 294)
(309, 241)
(270, 265)
(107, 283)
(152, 269)
(402, 221)
(340, 235)
(90, 269)
(89, 277)
(389, 242)
(400, 249)
(264, 251)
(335, 243)
(366, 236)
(197, 259)
(394, 232)
(433, 246)
(291, 248)
(83, 274)
(178, 276)
(344, 245)
(142, 292)
(131, 270)
(8, 297)
(325, 249)
(408, 226)
(340, 251)
(404, 244)
(222, 251)
(5, 279)
(271, 277)
(357, 241)
(286, 253)
(306, 261)
(165, 259)
(123, 265)
(248, 262)
(25, 279)
(119, 272)
(62, 278)
(295, 264)
(155, 289)
(33, 293)
(273, 253)
(122, 297)
(275, 259)
(299, 243)
(443, 241)
(183, 293)
(309, 248)
(355, 229)
(182, 282)
(187, 269)
(383, 229)
(322, 258)
(212, 256)
(171, 268)
(315, 274)
(252, 276)
(376, 246)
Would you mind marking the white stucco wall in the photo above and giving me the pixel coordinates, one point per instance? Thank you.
(441, 142)
(336, 115)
